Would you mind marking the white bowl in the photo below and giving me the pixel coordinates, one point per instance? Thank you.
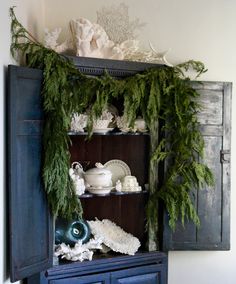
(100, 190)
(98, 177)
(101, 180)
(101, 124)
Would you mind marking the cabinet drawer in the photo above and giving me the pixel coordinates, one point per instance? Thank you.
(152, 274)
(103, 278)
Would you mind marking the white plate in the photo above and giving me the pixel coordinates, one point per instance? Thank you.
(118, 168)
(100, 190)
(103, 130)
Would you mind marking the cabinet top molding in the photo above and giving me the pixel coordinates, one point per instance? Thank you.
(119, 68)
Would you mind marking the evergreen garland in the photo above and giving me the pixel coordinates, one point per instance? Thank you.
(159, 94)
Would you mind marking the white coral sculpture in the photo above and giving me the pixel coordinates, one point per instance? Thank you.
(151, 56)
(91, 40)
(51, 41)
(120, 29)
(112, 37)
(114, 236)
(78, 122)
(107, 235)
(117, 24)
(79, 251)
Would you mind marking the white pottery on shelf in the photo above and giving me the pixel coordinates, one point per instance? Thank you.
(114, 236)
(118, 186)
(103, 130)
(140, 125)
(98, 177)
(76, 174)
(101, 190)
(124, 125)
(118, 168)
(101, 124)
(130, 184)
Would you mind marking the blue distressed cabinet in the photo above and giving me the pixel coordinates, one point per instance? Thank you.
(31, 224)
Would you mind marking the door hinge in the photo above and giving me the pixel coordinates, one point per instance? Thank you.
(225, 156)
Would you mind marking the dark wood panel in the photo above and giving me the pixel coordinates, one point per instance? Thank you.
(102, 207)
(127, 211)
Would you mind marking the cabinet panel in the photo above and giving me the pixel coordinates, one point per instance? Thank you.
(153, 274)
(103, 278)
(213, 204)
(137, 269)
(212, 107)
(30, 222)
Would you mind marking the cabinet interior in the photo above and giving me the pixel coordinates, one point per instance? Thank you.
(127, 210)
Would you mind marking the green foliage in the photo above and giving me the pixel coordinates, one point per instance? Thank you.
(165, 99)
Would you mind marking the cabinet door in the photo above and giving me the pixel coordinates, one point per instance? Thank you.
(103, 278)
(29, 219)
(152, 274)
(213, 204)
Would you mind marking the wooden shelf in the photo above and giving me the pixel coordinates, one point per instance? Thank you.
(110, 133)
(118, 258)
(91, 195)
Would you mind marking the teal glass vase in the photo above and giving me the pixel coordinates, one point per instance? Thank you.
(70, 232)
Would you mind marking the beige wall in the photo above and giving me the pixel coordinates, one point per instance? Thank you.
(200, 30)
(30, 13)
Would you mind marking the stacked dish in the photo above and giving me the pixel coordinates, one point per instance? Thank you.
(130, 184)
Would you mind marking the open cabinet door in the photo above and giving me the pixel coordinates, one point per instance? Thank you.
(212, 204)
(30, 223)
